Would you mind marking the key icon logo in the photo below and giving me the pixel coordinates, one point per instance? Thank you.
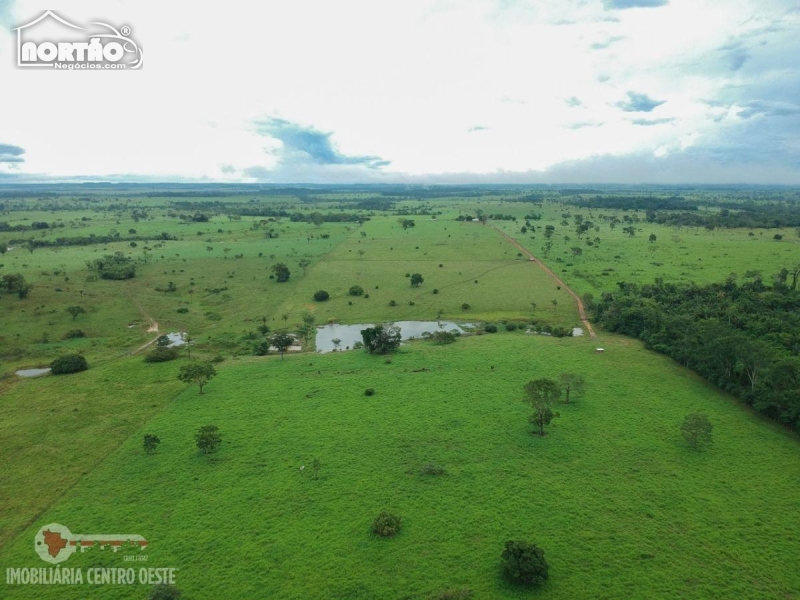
(55, 543)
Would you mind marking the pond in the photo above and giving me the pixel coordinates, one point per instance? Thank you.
(33, 372)
(350, 334)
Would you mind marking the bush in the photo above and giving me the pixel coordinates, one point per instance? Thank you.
(432, 469)
(392, 303)
(386, 524)
(164, 592)
(435, 290)
(511, 326)
(356, 290)
(490, 328)
(465, 306)
(321, 295)
(208, 438)
(183, 310)
(150, 443)
(369, 392)
(73, 334)
(71, 363)
(696, 430)
(523, 562)
(443, 337)
(158, 355)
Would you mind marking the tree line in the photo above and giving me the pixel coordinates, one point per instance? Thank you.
(744, 338)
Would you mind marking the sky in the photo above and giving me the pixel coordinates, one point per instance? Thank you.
(419, 91)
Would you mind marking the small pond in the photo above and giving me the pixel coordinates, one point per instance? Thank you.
(350, 334)
(33, 372)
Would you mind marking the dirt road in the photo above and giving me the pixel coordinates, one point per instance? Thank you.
(581, 310)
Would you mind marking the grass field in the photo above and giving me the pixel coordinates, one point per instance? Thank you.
(622, 506)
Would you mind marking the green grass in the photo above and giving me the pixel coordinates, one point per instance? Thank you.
(622, 507)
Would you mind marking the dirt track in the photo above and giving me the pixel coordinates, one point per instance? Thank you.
(526, 252)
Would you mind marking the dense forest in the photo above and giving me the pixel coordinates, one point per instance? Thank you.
(745, 338)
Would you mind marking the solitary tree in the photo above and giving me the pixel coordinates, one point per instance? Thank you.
(652, 237)
(523, 562)
(199, 372)
(281, 272)
(573, 384)
(696, 430)
(416, 279)
(208, 438)
(281, 340)
(381, 339)
(75, 311)
(541, 394)
(304, 264)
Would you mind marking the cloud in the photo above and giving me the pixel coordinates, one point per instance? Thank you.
(625, 4)
(475, 128)
(651, 122)
(735, 55)
(606, 43)
(11, 154)
(6, 7)
(639, 103)
(573, 101)
(227, 169)
(769, 109)
(307, 145)
(582, 124)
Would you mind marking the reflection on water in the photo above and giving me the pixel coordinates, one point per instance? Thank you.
(32, 372)
(350, 334)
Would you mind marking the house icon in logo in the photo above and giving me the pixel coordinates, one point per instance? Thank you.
(42, 17)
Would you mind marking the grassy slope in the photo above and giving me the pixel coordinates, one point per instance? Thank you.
(623, 508)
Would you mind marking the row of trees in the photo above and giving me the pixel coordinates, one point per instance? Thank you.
(743, 338)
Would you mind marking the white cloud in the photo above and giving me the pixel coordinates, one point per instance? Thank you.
(432, 87)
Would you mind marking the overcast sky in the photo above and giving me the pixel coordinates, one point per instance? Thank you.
(572, 91)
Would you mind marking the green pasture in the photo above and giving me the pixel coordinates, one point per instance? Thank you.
(621, 505)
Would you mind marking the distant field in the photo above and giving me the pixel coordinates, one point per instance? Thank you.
(623, 508)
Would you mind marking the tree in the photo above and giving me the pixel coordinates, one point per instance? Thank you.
(576, 251)
(321, 295)
(75, 311)
(572, 384)
(381, 339)
(356, 290)
(652, 237)
(361, 253)
(208, 438)
(336, 343)
(304, 264)
(70, 363)
(386, 524)
(416, 279)
(316, 465)
(163, 341)
(281, 272)
(554, 302)
(541, 394)
(524, 562)
(281, 340)
(199, 372)
(696, 430)
(150, 443)
(309, 328)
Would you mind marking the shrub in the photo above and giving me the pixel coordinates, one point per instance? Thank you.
(158, 355)
(356, 290)
(523, 562)
(443, 337)
(696, 430)
(490, 328)
(150, 443)
(435, 290)
(386, 524)
(392, 303)
(465, 306)
(164, 592)
(163, 341)
(511, 326)
(208, 438)
(70, 363)
(182, 310)
(366, 295)
(369, 392)
(73, 334)
(432, 469)
(321, 295)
